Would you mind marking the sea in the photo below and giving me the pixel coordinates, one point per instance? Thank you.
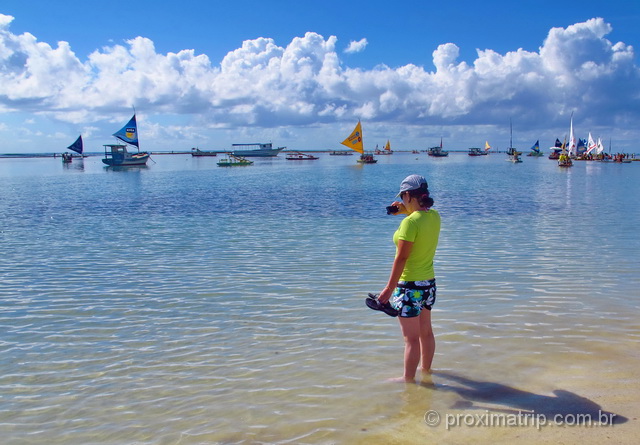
(186, 303)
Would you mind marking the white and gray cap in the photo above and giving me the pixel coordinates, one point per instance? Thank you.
(412, 182)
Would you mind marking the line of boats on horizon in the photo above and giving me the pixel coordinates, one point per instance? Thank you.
(562, 152)
(116, 155)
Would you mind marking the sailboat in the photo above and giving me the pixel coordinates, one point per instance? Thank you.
(600, 154)
(116, 155)
(535, 150)
(571, 148)
(514, 155)
(386, 151)
(355, 143)
(77, 146)
(591, 145)
(556, 149)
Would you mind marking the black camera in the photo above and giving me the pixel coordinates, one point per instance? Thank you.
(392, 210)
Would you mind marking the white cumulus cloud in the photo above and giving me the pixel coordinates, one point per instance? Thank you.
(356, 47)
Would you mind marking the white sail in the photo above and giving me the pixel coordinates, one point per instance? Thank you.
(591, 144)
(599, 147)
(572, 140)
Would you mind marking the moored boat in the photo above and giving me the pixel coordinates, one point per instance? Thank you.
(299, 156)
(198, 153)
(512, 153)
(234, 161)
(386, 151)
(117, 155)
(476, 151)
(256, 150)
(437, 151)
(515, 157)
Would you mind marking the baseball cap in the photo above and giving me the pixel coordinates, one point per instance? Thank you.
(412, 182)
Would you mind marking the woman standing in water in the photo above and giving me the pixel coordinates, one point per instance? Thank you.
(411, 288)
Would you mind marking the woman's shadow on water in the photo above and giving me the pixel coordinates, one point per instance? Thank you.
(562, 403)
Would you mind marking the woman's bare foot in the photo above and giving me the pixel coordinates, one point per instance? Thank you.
(426, 371)
(402, 380)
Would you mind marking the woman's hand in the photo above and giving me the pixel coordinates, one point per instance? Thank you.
(402, 210)
(385, 295)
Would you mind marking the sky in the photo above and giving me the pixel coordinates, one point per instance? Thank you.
(209, 73)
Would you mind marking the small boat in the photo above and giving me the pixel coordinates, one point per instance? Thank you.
(476, 151)
(621, 159)
(256, 150)
(535, 150)
(197, 152)
(437, 152)
(564, 160)
(355, 142)
(516, 159)
(299, 156)
(366, 158)
(234, 161)
(77, 146)
(117, 155)
(512, 153)
(387, 149)
(340, 153)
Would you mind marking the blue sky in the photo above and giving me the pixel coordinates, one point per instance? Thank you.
(212, 73)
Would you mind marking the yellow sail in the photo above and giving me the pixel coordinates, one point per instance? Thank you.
(354, 141)
(487, 147)
(388, 146)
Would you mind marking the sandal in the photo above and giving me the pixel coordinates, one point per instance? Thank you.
(372, 302)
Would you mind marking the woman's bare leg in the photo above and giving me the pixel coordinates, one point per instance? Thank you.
(427, 340)
(411, 332)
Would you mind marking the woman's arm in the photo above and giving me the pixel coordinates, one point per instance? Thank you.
(404, 249)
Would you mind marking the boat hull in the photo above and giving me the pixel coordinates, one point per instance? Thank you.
(199, 153)
(226, 163)
(258, 153)
(133, 160)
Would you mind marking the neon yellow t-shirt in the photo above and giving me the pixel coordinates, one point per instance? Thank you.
(423, 230)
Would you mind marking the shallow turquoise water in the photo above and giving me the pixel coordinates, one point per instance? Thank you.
(186, 303)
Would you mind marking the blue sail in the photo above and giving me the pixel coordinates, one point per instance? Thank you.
(536, 146)
(77, 145)
(129, 133)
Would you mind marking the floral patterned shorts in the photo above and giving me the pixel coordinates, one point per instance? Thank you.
(410, 297)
